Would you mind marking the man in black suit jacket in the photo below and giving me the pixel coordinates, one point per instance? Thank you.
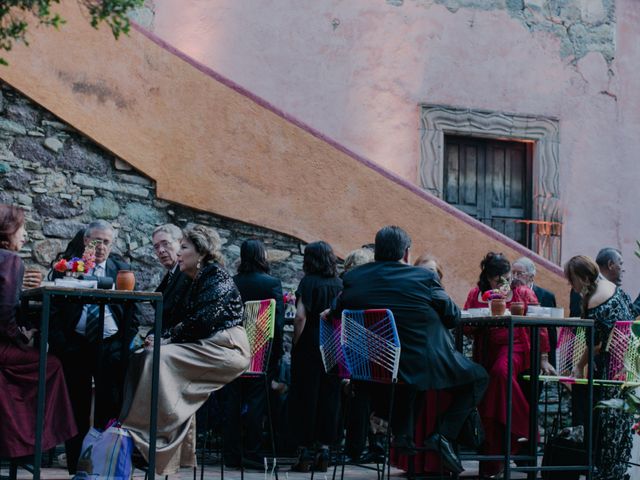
(175, 284)
(75, 339)
(423, 312)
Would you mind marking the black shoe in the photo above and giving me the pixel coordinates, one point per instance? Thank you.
(138, 461)
(404, 445)
(441, 445)
(322, 460)
(304, 462)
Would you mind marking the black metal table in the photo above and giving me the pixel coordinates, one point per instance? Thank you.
(534, 324)
(98, 297)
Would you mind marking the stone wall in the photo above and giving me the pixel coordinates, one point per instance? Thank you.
(63, 181)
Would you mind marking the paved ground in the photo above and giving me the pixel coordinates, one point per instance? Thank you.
(213, 472)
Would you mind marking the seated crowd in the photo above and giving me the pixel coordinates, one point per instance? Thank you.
(205, 349)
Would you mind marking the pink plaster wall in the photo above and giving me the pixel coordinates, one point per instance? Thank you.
(357, 71)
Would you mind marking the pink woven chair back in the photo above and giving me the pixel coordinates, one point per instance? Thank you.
(259, 322)
(622, 349)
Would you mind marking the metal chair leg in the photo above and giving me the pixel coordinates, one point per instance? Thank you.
(13, 470)
(270, 422)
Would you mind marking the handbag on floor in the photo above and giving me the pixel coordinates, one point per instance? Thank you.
(106, 455)
(563, 449)
(472, 433)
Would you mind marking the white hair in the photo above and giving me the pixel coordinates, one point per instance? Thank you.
(170, 229)
(101, 225)
(528, 265)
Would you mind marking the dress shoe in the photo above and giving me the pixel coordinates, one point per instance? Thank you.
(404, 445)
(437, 443)
(322, 460)
(304, 461)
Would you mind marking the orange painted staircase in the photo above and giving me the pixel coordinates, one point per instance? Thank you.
(211, 145)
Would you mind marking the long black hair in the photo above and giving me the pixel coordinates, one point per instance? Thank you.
(320, 259)
(253, 257)
(492, 265)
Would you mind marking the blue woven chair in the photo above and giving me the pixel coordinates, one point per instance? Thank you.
(371, 350)
(331, 348)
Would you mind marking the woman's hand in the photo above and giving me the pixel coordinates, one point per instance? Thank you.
(27, 336)
(578, 371)
(546, 368)
(150, 340)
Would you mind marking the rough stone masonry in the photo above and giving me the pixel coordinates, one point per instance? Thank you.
(63, 180)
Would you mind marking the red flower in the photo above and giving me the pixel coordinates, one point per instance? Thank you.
(61, 266)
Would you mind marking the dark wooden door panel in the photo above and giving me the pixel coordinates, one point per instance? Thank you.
(489, 180)
(464, 176)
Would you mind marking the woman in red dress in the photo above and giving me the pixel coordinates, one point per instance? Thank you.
(19, 362)
(490, 349)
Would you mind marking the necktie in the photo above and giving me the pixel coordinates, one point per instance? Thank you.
(92, 324)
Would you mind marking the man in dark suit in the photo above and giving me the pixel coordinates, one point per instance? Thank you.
(175, 284)
(524, 270)
(423, 312)
(88, 354)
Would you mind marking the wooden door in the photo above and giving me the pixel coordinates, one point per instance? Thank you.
(491, 181)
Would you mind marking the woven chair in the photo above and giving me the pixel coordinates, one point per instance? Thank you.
(259, 323)
(331, 348)
(622, 364)
(371, 350)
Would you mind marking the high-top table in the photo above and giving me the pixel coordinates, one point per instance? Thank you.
(533, 324)
(47, 295)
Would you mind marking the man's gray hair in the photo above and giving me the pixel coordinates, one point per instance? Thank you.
(606, 255)
(170, 229)
(101, 225)
(528, 265)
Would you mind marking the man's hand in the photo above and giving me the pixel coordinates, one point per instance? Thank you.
(324, 315)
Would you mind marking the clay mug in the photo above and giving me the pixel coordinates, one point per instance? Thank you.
(498, 307)
(517, 308)
(125, 280)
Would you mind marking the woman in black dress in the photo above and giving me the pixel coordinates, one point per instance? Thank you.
(254, 283)
(606, 304)
(315, 396)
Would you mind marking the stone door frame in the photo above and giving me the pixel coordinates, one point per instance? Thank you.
(542, 132)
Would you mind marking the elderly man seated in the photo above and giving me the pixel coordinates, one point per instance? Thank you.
(429, 361)
(74, 339)
(174, 285)
(524, 271)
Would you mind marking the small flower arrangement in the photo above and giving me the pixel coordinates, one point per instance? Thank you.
(78, 265)
(499, 293)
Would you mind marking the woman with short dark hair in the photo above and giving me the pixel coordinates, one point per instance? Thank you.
(19, 362)
(315, 396)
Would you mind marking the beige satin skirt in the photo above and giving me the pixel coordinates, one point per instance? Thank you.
(189, 372)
